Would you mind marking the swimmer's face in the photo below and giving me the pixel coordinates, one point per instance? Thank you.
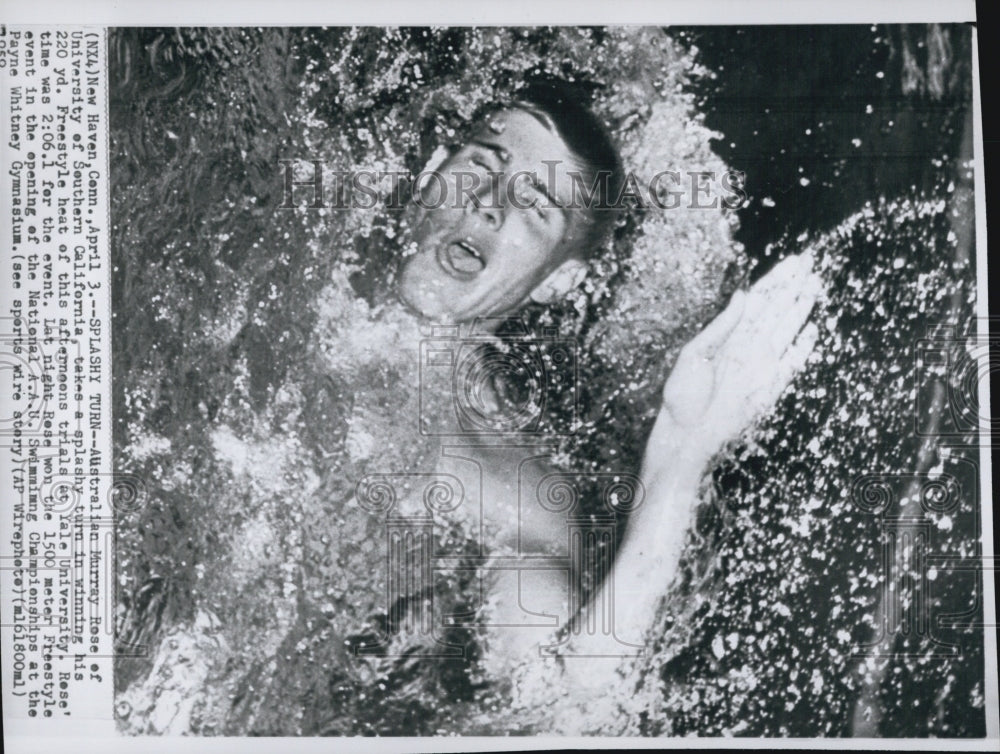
(486, 244)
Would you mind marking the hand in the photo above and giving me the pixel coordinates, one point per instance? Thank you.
(737, 367)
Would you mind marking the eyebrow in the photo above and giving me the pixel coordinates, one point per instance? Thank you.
(500, 152)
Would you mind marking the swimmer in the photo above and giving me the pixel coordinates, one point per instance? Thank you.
(509, 231)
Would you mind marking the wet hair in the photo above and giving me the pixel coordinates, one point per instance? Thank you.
(563, 108)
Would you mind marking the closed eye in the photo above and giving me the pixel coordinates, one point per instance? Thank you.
(540, 201)
(482, 159)
(540, 209)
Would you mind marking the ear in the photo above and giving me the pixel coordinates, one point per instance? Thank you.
(560, 281)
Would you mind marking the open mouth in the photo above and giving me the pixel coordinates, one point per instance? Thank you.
(460, 259)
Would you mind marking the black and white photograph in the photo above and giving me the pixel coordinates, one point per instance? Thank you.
(607, 381)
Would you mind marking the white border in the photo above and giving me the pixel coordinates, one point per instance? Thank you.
(468, 12)
(990, 691)
(527, 12)
(191, 745)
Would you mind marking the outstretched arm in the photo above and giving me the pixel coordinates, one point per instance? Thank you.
(723, 380)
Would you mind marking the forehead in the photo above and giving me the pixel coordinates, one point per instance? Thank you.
(525, 136)
(534, 146)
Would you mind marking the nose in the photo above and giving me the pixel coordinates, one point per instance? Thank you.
(487, 210)
(493, 216)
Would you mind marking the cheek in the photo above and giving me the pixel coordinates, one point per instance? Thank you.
(512, 281)
(529, 255)
(419, 275)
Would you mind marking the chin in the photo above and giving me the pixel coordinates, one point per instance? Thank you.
(433, 305)
(424, 306)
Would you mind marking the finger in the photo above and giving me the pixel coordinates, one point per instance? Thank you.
(791, 321)
(774, 311)
(797, 354)
(718, 330)
(782, 273)
(776, 289)
(763, 399)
